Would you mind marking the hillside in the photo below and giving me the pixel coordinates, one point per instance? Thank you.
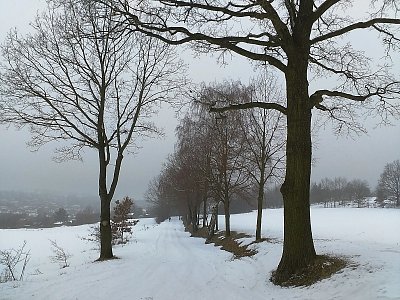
(163, 262)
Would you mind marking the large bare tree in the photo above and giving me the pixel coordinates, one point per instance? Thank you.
(389, 181)
(298, 38)
(76, 78)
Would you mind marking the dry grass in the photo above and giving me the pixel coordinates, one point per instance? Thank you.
(323, 267)
(230, 244)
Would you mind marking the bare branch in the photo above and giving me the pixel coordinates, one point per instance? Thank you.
(382, 92)
(262, 105)
(358, 25)
(325, 6)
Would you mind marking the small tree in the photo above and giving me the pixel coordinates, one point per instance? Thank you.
(121, 224)
(157, 195)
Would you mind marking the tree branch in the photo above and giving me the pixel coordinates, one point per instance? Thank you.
(263, 105)
(323, 8)
(354, 26)
(317, 97)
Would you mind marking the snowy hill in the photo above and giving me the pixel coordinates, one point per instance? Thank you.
(162, 262)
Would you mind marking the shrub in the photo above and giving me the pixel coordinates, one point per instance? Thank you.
(14, 262)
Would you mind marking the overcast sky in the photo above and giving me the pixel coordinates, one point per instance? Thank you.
(362, 157)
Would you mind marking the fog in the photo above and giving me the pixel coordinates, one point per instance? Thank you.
(360, 157)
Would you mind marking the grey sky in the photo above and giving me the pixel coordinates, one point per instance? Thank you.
(20, 169)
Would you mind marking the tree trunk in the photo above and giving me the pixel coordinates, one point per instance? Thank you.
(105, 225)
(260, 200)
(298, 246)
(189, 215)
(227, 218)
(105, 229)
(216, 217)
(205, 212)
(194, 219)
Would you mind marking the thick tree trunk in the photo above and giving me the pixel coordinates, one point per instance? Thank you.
(105, 225)
(105, 229)
(298, 246)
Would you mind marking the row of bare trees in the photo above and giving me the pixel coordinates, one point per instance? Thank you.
(222, 157)
(301, 40)
(80, 77)
(340, 192)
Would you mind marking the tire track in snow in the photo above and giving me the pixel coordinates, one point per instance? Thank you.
(173, 267)
(181, 267)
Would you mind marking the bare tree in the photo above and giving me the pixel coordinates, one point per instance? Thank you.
(155, 196)
(357, 190)
(265, 140)
(195, 134)
(191, 184)
(340, 184)
(229, 176)
(297, 38)
(163, 194)
(389, 181)
(76, 78)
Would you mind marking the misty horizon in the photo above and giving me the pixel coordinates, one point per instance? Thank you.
(362, 157)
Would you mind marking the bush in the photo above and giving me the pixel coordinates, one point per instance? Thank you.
(14, 262)
(60, 255)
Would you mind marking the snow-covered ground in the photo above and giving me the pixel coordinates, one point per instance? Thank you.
(162, 262)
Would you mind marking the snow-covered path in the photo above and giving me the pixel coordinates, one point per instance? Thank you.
(179, 267)
(163, 263)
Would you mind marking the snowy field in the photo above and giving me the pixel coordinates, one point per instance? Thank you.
(161, 262)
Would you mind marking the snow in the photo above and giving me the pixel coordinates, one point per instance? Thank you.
(162, 262)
